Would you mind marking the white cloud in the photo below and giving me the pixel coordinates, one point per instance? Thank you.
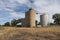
(46, 6)
(22, 1)
(49, 7)
(14, 14)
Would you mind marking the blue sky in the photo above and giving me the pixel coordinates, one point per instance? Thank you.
(14, 9)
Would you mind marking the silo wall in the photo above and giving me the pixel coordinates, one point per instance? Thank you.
(30, 18)
(44, 20)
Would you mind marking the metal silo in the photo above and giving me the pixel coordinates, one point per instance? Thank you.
(44, 20)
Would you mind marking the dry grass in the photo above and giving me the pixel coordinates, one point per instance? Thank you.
(16, 33)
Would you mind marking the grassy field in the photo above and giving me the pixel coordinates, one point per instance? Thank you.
(16, 33)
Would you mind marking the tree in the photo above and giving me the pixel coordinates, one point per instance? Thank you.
(56, 18)
(14, 22)
(0, 25)
(7, 24)
(36, 22)
(39, 23)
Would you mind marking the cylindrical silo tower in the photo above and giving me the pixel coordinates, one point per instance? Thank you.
(30, 18)
(44, 20)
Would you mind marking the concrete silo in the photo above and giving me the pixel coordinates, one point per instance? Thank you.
(30, 18)
(44, 20)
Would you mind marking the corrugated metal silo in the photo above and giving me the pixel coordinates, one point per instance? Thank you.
(44, 20)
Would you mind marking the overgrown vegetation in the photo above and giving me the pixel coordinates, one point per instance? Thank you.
(15, 33)
(56, 18)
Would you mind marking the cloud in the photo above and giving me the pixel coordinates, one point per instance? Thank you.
(18, 15)
(17, 8)
(49, 7)
(22, 1)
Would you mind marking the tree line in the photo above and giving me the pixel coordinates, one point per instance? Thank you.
(13, 22)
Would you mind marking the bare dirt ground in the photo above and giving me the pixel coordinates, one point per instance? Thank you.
(16, 33)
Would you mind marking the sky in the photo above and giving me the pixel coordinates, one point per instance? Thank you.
(14, 9)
